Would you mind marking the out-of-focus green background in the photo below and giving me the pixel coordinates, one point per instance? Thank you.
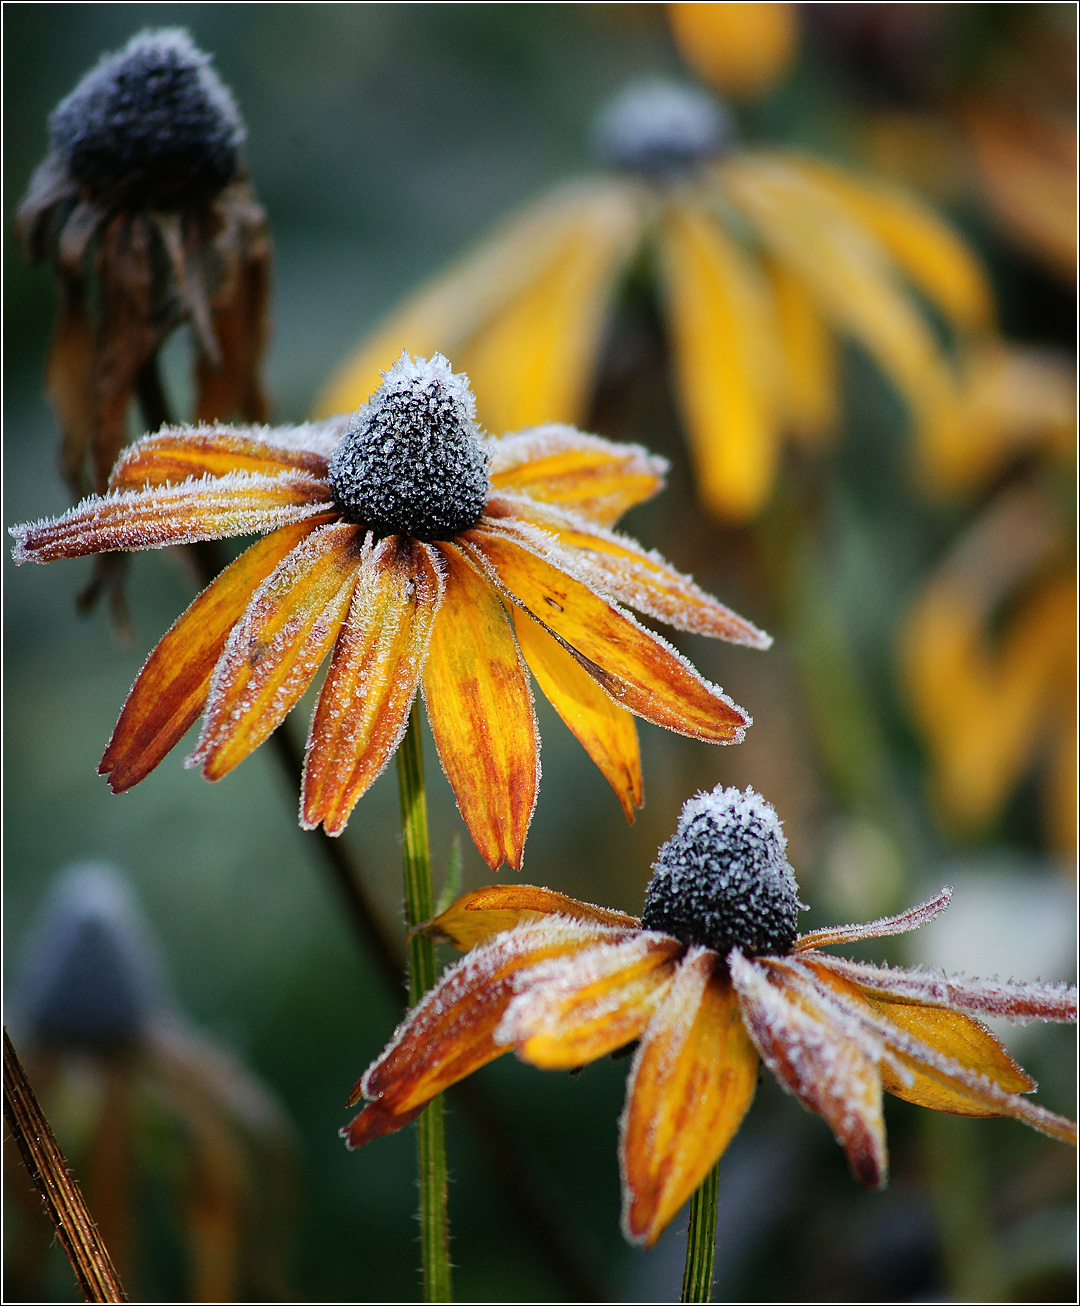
(384, 139)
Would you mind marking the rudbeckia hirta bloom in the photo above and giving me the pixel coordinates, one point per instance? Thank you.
(713, 977)
(415, 552)
(762, 256)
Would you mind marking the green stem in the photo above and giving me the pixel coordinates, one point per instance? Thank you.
(701, 1240)
(419, 906)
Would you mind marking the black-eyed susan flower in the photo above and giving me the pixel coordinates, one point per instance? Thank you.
(712, 978)
(762, 257)
(416, 552)
(145, 212)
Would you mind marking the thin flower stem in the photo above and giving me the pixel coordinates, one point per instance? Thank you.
(701, 1240)
(419, 906)
(75, 1230)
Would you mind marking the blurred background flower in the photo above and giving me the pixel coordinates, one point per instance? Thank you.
(384, 140)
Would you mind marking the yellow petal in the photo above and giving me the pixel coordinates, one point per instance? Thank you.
(740, 48)
(691, 1083)
(723, 333)
(571, 1010)
(561, 465)
(635, 667)
(476, 916)
(275, 650)
(171, 689)
(480, 709)
(173, 456)
(606, 731)
(365, 700)
(809, 355)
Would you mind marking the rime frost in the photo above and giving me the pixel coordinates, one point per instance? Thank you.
(723, 878)
(411, 461)
(660, 126)
(150, 125)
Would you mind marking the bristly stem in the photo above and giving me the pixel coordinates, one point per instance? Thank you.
(419, 906)
(701, 1240)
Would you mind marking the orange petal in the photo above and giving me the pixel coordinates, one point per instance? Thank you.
(275, 649)
(476, 916)
(559, 464)
(376, 1120)
(480, 710)
(364, 705)
(819, 1056)
(171, 689)
(448, 1034)
(637, 668)
(237, 504)
(619, 566)
(172, 456)
(691, 1083)
(571, 1010)
(906, 921)
(605, 730)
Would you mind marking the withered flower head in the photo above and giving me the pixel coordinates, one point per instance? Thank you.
(658, 127)
(712, 979)
(144, 210)
(413, 551)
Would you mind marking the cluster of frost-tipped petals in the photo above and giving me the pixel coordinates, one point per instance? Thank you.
(562, 983)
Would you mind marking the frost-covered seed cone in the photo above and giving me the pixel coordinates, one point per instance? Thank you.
(723, 879)
(660, 126)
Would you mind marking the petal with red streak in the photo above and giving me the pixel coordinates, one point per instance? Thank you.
(364, 704)
(480, 710)
(476, 916)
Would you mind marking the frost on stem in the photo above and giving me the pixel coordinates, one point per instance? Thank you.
(723, 880)
(659, 127)
(411, 460)
(151, 125)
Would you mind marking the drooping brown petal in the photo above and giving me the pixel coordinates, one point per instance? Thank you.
(448, 1034)
(617, 565)
(828, 1062)
(171, 689)
(605, 730)
(691, 1083)
(275, 649)
(637, 668)
(559, 464)
(1018, 1002)
(901, 924)
(239, 503)
(172, 456)
(480, 710)
(476, 916)
(364, 705)
(571, 1010)
(69, 381)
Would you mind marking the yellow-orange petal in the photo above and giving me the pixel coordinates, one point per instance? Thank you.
(571, 1010)
(448, 1034)
(275, 649)
(480, 709)
(619, 566)
(741, 48)
(171, 689)
(475, 917)
(808, 350)
(239, 503)
(375, 1121)
(690, 1085)
(171, 456)
(723, 338)
(605, 730)
(374, 671)
(637, 668)
(824, 1060)
(558, 464)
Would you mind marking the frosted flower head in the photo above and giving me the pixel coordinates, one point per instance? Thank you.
(411, 461)
(658, 127)
(151, 125)
(722, 879)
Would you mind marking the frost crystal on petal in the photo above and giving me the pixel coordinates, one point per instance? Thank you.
(152, 124)
(723, 879)
(659, 127)
(411, 460)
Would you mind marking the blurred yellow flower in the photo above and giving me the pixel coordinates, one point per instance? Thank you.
(761, 258)
(989, 666)
(740, 48)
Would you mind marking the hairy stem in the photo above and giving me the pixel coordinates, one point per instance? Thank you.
(419, 906)
(701, 1240)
